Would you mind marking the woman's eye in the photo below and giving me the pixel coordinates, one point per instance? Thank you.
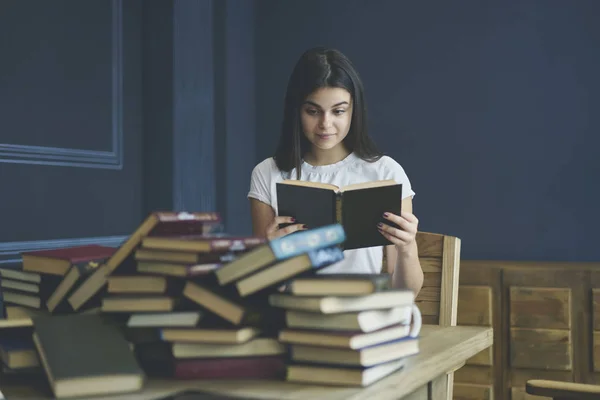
(339, 111)
(311, 111)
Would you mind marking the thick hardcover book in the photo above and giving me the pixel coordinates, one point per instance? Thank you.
(202, 243)
(357, 321)
(42, 290)
(145, 284)
(358, 208)
(17, 274)
(58, 261)
(230, 335)
(232, 310)
(280, 249)
(163, 364)
(339, 284)
(342, 375)
(365, 357)
(84, 355)
(155, 224)
(177, 270)
(343, 339)
(343, 304)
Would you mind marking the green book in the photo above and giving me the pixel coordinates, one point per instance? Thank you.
(85, 355)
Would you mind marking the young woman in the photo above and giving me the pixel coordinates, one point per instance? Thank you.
(324, 139)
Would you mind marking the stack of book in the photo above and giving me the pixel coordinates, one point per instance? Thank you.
(236, 336)
(45, 329)
(347, 329)
(39, 285)
(36, 290)
(181, 299)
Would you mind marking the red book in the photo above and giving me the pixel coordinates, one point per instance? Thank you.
(270, 367)
(58, 261)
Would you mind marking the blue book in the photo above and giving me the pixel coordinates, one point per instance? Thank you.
(280, 249)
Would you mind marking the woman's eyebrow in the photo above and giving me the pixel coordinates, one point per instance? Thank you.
(318, 106)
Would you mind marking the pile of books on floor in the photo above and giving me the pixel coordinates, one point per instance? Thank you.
(181, 299)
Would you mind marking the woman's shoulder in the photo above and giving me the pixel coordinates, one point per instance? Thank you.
(266, 166)
(385, 164)
(267, 169)
(388, 161)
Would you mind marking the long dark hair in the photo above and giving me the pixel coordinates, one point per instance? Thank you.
(317, 68)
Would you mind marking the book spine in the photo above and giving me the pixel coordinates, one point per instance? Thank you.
(304, 241)
(339, 217)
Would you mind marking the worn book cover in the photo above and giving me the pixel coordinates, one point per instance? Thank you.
(358, 208)
(84, 355)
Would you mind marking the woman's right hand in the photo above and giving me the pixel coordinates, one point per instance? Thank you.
(273, 231)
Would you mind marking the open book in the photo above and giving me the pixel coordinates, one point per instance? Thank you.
(358, 208)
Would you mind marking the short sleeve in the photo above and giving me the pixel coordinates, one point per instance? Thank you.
(260, 182)
(394, 171)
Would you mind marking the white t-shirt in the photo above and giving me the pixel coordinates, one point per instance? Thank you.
(350, 170)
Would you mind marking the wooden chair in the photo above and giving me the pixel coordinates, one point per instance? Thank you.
(438, 299)
(562, 390)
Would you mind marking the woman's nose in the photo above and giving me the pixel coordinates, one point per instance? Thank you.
(325, 121)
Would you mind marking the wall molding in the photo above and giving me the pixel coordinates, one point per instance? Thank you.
(10, 251)
(66, 157)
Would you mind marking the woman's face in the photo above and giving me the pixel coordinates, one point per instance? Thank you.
(326, 115)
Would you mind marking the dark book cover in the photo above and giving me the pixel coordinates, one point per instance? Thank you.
(261, 367)
(74, 254)
(357, 210)
(363, 209)
(313, 207)
(83, 348)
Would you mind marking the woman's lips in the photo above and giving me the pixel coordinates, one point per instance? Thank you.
(325, 135)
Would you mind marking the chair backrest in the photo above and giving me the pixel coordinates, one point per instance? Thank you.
(440, 260)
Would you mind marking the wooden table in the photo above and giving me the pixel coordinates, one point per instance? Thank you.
(442, 349)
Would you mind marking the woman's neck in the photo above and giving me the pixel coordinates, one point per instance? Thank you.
(318, 157)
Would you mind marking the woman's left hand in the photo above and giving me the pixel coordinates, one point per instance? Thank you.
(404, 236)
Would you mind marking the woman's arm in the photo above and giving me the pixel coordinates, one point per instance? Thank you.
(403, 257)
(266, 225)
(262, 215)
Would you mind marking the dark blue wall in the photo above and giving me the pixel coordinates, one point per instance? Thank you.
(113, 110)
(491, 107)
(70, 123)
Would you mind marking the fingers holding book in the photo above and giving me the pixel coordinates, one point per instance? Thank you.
(275, 229)
(405, 233)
